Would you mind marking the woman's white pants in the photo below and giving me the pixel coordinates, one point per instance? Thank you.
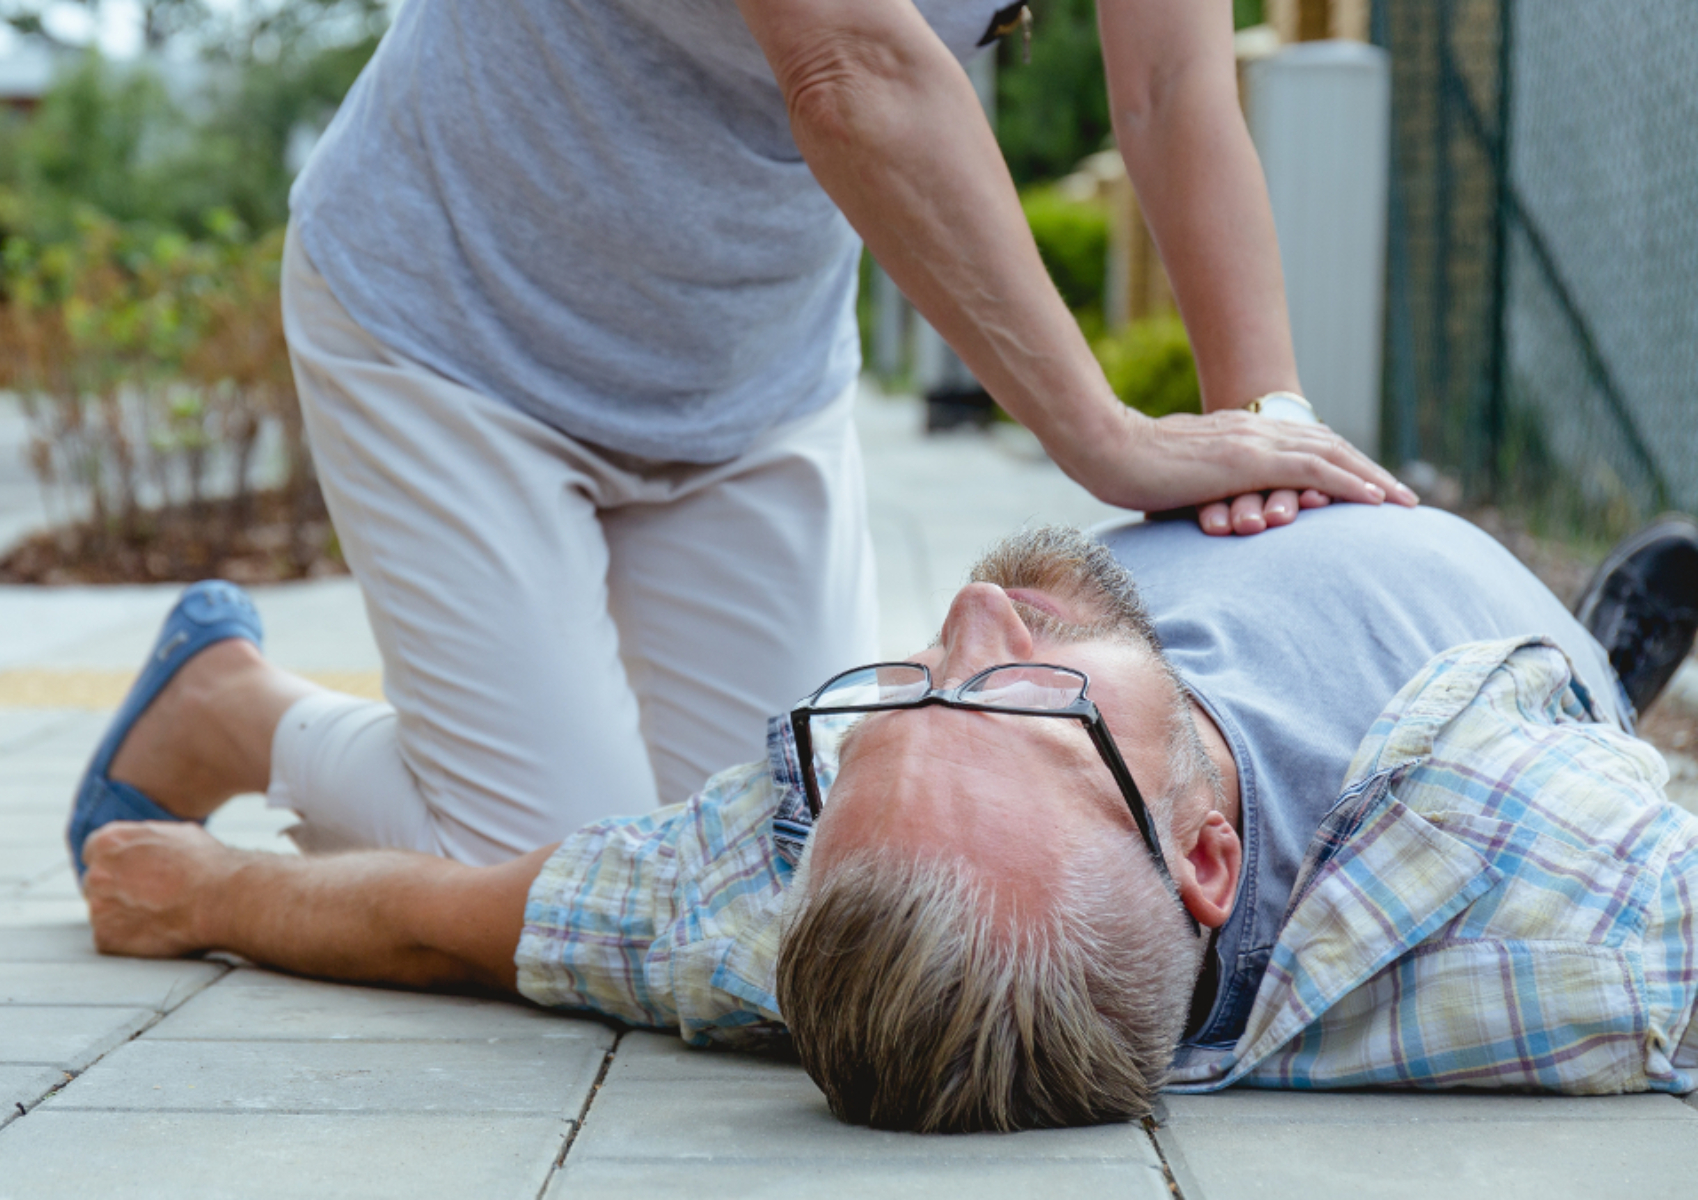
(568, 633)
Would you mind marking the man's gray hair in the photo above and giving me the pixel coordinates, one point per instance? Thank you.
(914, 1006)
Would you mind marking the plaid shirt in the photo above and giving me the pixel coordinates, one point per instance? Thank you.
(671, 920)
(1501, 898)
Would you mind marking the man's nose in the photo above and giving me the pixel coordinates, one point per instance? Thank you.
(982, 630)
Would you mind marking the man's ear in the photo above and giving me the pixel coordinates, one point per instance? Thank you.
(1208, 878)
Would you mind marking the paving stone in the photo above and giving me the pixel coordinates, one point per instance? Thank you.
(131, 982)
(58, 882)
(21, 727)
(252, 1005)
(23, 1087)
(246, 822)
(23, 911)
(52, 942)
(714, 1108)
(184, 1156)
(1493, 1147)
(982, 1177)
(31, 801)
(67, 1038)
(532, 1076)
(21, 863)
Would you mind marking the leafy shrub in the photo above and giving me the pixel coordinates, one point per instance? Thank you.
(152, 368)
(1149, 366)
(1052, 111)
(1072, 237)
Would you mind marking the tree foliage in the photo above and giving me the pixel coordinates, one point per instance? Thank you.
(206, 126)
(1053, 111)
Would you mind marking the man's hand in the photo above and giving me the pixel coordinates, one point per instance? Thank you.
(1255, 511)
(148, 885)
(158, 890)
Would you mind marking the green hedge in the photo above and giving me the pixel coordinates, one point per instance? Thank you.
(1149, 366)
(1072, 237)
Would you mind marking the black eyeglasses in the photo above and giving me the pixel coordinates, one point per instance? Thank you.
(1021, 689)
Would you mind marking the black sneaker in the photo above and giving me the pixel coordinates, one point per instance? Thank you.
(1642, 605)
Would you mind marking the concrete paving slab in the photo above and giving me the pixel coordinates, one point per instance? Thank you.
(714, 1109)
(48, 942)
(55, 626)
(131, 982)
(246, 822)
(67, 1038)
(58, 882)
(20, 726)
(21, 1088)
(20, 863)
(253, 1005)
(22, 912)
(980, 1178)
(185, 1156)
(1490, 1147)
(317, 625)
(532, 1076)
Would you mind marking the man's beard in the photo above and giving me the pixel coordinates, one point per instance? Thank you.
(1066, 564)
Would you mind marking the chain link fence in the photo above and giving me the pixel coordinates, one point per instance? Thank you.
(1542, 307)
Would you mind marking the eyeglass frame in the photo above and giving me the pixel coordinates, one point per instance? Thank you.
(1082, 709)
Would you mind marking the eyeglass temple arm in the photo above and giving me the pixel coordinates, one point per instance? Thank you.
(805, 758)
(1140, 810)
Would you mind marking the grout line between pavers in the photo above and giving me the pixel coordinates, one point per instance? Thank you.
(357, 1041)
(516, 1114)
(583, 1114)
(71, 1076)
(1180, 1181)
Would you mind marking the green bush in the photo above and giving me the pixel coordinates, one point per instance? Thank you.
(1149, 366)
(148, 364)
(1072, 237)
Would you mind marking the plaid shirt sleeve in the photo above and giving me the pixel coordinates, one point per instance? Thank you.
(668, 920)
(1503, 897)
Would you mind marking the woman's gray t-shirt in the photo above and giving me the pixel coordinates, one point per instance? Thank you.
(1294, 640)
(594, 211)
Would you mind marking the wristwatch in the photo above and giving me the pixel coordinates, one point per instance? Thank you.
(1284, 406)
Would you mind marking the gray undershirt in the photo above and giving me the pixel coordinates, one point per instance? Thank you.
(1294, 640)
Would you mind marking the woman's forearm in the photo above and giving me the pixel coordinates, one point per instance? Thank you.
(891, 127)
(1174, 95)
(1200, 185)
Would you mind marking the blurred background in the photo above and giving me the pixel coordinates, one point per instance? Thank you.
(1485, 211)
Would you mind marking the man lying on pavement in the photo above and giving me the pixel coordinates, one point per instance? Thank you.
(1352, 804)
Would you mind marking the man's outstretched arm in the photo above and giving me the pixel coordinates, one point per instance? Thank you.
(163, 891)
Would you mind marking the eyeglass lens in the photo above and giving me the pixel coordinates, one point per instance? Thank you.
(1026, 687)
(899, 683)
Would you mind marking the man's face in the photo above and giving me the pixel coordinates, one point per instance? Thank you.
(1011, 795)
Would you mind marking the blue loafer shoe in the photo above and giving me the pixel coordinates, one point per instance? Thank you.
(213, 611)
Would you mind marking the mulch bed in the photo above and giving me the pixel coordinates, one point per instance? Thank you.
(266, 538)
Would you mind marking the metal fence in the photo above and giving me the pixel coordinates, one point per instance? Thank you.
(1542, 305)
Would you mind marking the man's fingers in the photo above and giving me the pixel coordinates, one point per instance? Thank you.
(1215, 519)
(1280, 508)
(1247, 515)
